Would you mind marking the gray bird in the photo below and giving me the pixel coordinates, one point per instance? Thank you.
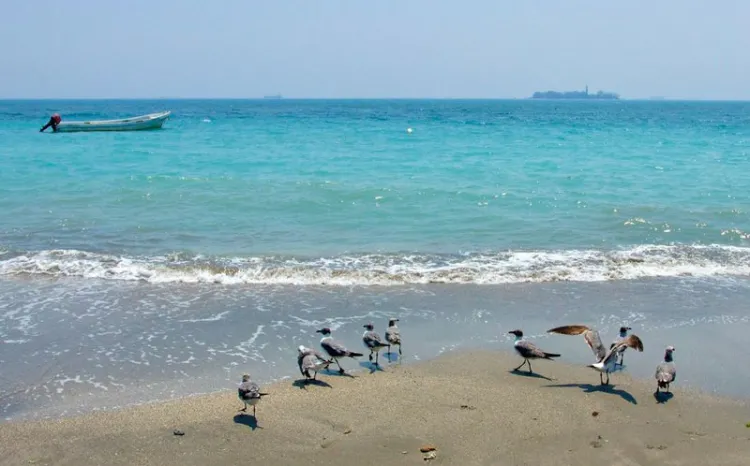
(528, 350)
(311, 361)
(620, 337)
(393, 337)
(666, 372)
(373, 342)
(608, 364)
(335, 349)
(249, 393)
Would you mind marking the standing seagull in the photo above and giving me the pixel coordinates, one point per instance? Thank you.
(608, 364)
(528, 350)
(310, 360)
(393, 337)
(249, 393)
(623, 335)
(373, 342)
(666, 372)
(335, 349)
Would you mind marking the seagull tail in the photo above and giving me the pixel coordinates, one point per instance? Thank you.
(663, 379)
(551, 355)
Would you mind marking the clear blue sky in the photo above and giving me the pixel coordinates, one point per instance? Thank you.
(373, 48)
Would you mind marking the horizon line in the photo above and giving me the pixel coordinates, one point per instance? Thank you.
(640, 99)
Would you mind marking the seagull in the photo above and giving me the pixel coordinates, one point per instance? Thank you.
(593, 340)
(528, 350)
(373, 342)
(608, 364)
(249, 393)
(335, 349)
(666, 372)
(393, 337)
(621, 355)
(310, 360)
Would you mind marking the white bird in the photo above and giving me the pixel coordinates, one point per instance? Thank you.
(608, 364)
(393, 337)
(249, 393)
(528, 350)
(311, 361)
(666, 372)
(373, 342)
(335, 349)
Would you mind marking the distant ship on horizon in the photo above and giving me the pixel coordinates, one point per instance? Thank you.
(576, 95)
(273, 97)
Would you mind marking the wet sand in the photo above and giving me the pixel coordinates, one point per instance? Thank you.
(468, 405)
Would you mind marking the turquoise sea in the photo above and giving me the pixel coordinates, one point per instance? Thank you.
(224, 238)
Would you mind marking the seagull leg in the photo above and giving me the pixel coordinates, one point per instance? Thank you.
(399, 349)
(601, 379)
(369, 356)
(389, 353)
(341, 369)
(522, 364)
(529, 362)
(253, 410)
(607, 383)
(377, 358)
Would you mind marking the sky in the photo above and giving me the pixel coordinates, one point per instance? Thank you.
(678, 49)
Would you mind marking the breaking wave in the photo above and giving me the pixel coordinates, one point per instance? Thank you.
(391, 269)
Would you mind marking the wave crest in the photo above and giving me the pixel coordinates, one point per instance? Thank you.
(391, 269)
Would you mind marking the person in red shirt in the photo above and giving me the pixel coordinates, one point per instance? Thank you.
(53, 122)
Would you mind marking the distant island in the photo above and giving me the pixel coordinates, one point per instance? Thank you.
(576, 95)
(273, 97)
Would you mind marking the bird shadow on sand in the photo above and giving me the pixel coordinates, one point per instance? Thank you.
(590, 388)
(371, 367)
(304, 383)
(247, 420)
(662, 397)
(531, 375)
(336, 373)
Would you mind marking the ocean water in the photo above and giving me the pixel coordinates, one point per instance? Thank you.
(148, 265)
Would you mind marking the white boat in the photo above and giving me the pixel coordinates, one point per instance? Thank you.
(144, 122)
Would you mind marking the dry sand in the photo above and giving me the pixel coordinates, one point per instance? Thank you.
(468, 405)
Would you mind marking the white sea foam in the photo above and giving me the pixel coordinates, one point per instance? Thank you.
(394, 269)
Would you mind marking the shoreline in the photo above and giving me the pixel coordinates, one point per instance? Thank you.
(466, 403)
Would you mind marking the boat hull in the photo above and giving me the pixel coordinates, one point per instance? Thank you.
(139, 123)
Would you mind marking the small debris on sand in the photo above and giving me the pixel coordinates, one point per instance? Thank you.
(427, 448)
(179, 432)
(595, 413)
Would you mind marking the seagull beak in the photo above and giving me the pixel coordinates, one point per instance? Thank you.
(319, 331)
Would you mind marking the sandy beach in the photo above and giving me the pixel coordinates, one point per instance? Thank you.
(468, 405)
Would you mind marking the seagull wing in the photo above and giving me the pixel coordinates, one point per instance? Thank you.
(589, 334)
(666, 372)
(393, 335)
(373, 340)
(529, 350)
(334, 348)
(631, 341)
(248, 390)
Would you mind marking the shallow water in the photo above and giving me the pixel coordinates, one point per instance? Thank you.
(82, 349)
